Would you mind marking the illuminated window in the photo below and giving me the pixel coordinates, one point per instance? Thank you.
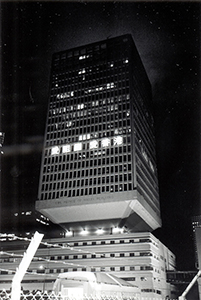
(55, 150)
(84, 137)
(66, 148)
(151, 165)
(68, 124)
(110, 85)
(93, 144)
(80, 106)
(118, 140)
(65, 95)
(83, 57)
(105, 142)
(77, 146)
(82, 71)
(144, 154)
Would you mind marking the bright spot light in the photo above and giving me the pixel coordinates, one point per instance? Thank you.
(117, 230)
(68, 233)
(84, 232)
(41, 267)
(99, 231)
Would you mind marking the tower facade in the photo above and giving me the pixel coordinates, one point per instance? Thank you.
(98, 167)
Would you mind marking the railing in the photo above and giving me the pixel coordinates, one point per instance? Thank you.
(38, 295)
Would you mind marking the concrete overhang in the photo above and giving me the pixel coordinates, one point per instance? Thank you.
(100, 207)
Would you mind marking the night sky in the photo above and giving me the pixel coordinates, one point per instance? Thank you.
(167, 38)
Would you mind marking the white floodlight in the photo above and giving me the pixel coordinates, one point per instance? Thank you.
(117, 230)
(84, 232)
(68, 233)
(99, 231)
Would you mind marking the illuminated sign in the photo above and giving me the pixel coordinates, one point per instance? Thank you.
(55, 150)
(77, 146)
(93, 144)
(66, 148)
(118, 140)
(105, 142)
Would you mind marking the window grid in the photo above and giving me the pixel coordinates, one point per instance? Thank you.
(98, 115)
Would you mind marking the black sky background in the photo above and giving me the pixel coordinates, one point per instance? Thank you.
(167, 36)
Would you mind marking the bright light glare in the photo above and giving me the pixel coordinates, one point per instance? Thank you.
(84, 232)
(117, 230)
(68, 233)
(99, 231)
(41, 267)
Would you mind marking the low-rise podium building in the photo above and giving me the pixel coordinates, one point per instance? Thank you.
(139, 258)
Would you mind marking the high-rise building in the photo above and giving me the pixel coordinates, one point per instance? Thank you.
(2, 136)
(196, 224)
(99, 164)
